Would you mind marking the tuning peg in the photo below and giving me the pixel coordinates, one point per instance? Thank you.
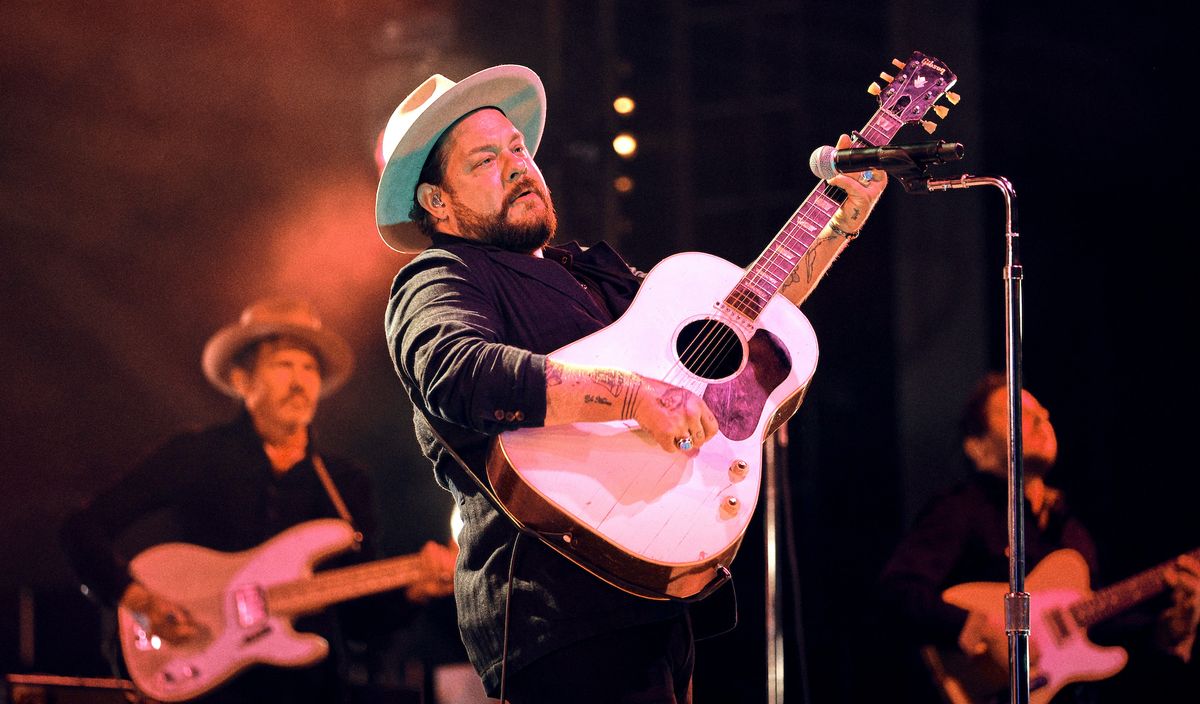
(898, 63)
(874, 89)
(886, 77)
(929, 125)
(941, 110)
(953, 97)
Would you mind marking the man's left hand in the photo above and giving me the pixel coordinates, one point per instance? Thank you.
(862, 193)
(1177, 626)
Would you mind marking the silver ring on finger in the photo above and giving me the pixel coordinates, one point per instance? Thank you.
(684, 443)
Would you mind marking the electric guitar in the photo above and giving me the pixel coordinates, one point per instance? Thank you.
(666, 525)
(243, 605)
(1061, 608)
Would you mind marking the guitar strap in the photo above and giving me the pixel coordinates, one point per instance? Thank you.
(336, 497)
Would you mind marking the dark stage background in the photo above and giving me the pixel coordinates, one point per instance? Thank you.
(161, 165)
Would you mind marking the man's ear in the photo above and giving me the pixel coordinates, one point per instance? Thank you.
(239, 379)
(982, 453)
(430, 198)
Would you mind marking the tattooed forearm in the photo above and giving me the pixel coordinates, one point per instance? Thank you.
(554, 374)
(613, 381)
(630, 402)
(811, 259)
(581, 393)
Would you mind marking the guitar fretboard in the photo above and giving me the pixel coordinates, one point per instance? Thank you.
(1110, 601)
(767, 274)
(345, 583)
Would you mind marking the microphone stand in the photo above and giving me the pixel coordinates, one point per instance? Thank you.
(1016, 602)
(774, 458)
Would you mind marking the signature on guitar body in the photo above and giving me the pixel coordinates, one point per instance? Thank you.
(667, 525)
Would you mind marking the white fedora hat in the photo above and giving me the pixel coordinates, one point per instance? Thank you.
(416, 125)
(270, 317)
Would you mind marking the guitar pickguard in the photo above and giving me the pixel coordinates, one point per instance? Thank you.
(738, 403)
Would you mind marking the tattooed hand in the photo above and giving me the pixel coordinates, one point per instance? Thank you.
(861, 196)
(670, 413)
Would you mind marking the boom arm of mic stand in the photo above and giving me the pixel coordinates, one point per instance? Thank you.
(1016, 602)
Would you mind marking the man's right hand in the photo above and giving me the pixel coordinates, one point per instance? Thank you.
(984, 635)
(670, 413)
(165, 619)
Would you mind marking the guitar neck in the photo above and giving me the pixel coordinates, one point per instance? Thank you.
(345, 583)
(766, 275)
(1110, 601)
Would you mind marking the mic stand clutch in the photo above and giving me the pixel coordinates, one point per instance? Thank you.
(914, 174)
(1016, 602)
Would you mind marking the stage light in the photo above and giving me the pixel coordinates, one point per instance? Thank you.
(625, 144)
(624, 105)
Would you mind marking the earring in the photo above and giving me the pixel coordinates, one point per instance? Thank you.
(437, 201)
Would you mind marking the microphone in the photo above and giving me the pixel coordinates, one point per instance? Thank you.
(827, 162)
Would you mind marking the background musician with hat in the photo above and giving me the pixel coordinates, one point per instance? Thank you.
(233, 486)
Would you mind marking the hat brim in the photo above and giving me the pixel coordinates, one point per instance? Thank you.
(333, 353)
(514, 90)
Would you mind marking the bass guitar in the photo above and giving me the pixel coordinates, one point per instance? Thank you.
(666, 525)
(243, 605)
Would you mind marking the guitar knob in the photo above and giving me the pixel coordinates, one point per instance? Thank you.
(953, 97)
(874, 89)
(886, 77)
(929, 126)
(898, 63)
(941, 110)
(738, 469)
(730, 506)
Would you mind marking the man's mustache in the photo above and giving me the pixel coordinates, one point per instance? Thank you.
(296, 392)
(525, 185)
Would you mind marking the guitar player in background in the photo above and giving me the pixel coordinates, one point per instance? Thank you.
(470, 323)
(962, 537)
(233, 486)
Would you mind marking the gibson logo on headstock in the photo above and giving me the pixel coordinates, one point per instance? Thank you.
(931, 64)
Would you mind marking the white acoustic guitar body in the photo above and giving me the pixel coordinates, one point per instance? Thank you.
(665, 520)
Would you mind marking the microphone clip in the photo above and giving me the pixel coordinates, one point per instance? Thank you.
(912, 173)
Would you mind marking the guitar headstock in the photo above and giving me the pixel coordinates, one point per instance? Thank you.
(915, 90)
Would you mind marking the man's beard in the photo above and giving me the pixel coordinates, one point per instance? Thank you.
(497, 231)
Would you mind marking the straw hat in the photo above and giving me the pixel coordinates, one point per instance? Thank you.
(268, 318)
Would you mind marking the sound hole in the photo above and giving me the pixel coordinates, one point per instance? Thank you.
(709, 349)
